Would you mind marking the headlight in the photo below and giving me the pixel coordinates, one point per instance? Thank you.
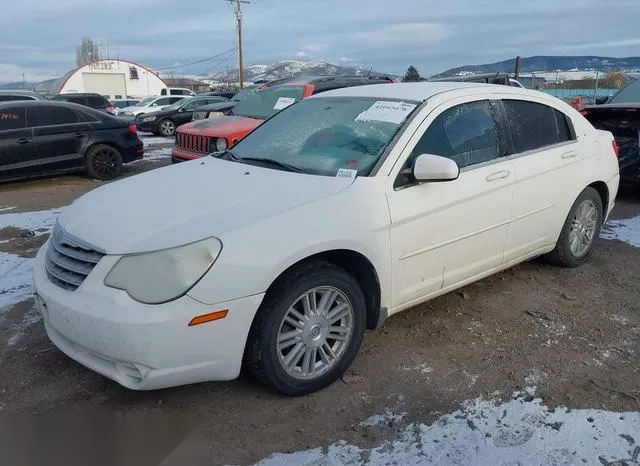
(199, 115)
(147, 119)
(161, 276)
(221, 144)
(214, 114)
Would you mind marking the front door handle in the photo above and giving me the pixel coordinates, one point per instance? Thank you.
(23, 141)
(570, 154)
(498, 175)
(79, 135)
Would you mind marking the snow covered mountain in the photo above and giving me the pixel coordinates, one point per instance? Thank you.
(286, 68)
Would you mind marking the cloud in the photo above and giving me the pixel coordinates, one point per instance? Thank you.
(430, 34)
(409, 34)
(601, 45)
(10, 72)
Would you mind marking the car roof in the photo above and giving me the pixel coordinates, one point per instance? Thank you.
(51, 103)
(309, 79)
(418, 91)
(22, 92)
(78, 94)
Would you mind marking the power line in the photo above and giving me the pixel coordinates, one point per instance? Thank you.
(220, 63)
(198, 61)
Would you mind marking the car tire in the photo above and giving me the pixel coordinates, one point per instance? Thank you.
(167, 127)
(277, 336)
(580, 231)
(103, 162)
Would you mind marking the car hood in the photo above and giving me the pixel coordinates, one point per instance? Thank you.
(222, 126)
(186, 202)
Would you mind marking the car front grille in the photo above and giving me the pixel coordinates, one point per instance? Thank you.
(68, 260)
(193, 143)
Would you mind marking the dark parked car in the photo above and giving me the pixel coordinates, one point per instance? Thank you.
(164, 122)
(623, 121)
(91, 100)
(45, 138)
(8, 96)
(224, 108)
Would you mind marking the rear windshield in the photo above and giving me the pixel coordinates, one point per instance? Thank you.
(268, 102)
(628, 94)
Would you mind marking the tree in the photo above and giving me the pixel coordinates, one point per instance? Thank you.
(412, 75)
(87, 52)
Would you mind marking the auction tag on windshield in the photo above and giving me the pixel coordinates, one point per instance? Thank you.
(283, 102)
(390, 112)
(346, 173)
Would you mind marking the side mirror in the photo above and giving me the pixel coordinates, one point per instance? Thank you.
(601, 100)
(428, 167)
(154, 105)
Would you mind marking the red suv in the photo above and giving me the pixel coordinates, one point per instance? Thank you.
(201, 137)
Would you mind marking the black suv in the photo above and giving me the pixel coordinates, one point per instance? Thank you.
(92, 100)
(45, 137)
(9, 96)
(164, 122)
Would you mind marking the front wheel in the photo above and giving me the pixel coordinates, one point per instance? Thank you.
(103, 162)
(167, 128)
(580, 230)
(308, 330)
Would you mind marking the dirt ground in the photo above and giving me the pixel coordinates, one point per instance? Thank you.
(574, 334)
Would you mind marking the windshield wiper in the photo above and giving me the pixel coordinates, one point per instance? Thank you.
(277, 163)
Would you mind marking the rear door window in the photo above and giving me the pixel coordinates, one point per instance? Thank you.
(51, 116)
(96, 102)
(534, 126)
(12, 118)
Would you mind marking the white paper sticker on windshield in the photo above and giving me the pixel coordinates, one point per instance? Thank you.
(391, 112)
(283, 102)
(346, 173)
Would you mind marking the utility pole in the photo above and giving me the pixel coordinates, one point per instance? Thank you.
(238, 11)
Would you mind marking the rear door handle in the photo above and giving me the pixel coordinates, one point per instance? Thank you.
(498, 175)
(79, 135)
(23, 141)
(570, 154)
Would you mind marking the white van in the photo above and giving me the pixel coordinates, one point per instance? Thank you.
(177, 91)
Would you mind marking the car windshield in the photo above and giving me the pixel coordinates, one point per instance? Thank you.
(268, 102)
(244, 93)
(326, 134)
(145, 102)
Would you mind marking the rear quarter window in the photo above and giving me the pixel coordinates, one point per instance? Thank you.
(533, 125)
(12, 118)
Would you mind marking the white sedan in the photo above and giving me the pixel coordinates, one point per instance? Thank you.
(149, 105)
(340, 211)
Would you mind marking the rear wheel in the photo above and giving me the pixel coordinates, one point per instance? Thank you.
(308, 330)
(167, 128)
(580, 230)
(103, 162)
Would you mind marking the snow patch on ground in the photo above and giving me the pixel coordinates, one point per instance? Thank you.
(29, 319)
(520, 432)
(423, 368)
(40, 222)
(149, 140)
(15, 271)
(379, 420)
(155, 154)
(627, 230)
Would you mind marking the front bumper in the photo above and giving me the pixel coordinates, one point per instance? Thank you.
(146, 127)
(183, 155)
(142, 347)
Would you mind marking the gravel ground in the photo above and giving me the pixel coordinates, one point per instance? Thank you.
(569, 337)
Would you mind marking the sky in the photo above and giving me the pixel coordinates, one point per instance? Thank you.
(38, 37)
